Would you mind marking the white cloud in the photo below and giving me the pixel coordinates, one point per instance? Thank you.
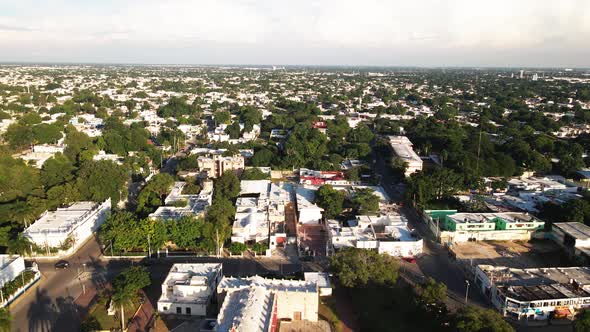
(262, 28)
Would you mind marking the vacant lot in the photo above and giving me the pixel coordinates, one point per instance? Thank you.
(517, 254)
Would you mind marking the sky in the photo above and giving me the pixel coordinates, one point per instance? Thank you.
(465, 33)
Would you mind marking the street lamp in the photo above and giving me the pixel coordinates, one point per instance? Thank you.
(466, 290)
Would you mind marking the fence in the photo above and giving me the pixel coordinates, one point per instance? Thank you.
(7, 300)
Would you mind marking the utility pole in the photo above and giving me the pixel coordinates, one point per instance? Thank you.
(217, 242)
(478, 151)
(466, 290)
(149, 247)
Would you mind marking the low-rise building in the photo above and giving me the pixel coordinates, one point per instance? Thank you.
(307, 211)
(388, 234)
(194, 204)
(461, 227)
(189, 288)
(402, 148)
(535, 294)
(574, 237)
(11, 268)
(260, 212)
(256, 304)
(215, 165)
(75, 223)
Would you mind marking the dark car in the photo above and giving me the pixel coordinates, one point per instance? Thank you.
(62, 264)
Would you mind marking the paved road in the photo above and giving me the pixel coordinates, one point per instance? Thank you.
(435, 262)
(51, 305)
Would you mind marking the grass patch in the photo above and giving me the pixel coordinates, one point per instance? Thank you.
(106, 322)
(327, 310)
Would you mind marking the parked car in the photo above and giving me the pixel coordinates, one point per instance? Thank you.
(410, 259)
(62, 264)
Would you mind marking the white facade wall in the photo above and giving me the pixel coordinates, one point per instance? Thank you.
(80, 232)
(291, 304)
(500, 235)
(401, 248)
(11, 267)
(310, 215)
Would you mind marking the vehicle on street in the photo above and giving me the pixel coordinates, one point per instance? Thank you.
(62, 264)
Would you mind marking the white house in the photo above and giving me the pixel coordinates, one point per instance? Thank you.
(308, 212)
(188, 288)
(76, 223)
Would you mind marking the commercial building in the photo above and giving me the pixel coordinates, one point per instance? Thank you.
(214, 166)
(535, 294)
(307, 211)
(75, 223)
(402, 148)
(461, 227)
(260, 212)
(388, 234)
(189, 288)
(258, 304)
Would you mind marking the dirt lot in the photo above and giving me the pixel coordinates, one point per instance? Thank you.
(517, 254)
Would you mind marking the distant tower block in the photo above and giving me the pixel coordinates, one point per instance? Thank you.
(521, 73)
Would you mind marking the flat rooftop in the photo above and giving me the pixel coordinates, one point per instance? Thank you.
(62, 219)
(402, 147)
(577, 230)
(247, 309)
(510, 217)
(270, 284)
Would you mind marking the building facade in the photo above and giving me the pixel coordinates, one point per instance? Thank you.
(188, 289)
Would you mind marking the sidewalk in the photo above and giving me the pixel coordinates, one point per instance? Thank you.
(142, 317)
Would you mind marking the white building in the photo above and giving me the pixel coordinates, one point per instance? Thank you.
(75, 223)
(253, 304)
(196, 204)
(188, 288)
(11, 267)
(387, 234)
(307, 211)
(260, 212)
(402, 147)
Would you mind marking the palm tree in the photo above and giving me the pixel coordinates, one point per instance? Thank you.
(21, 245)
(122, 298)
(5, 320)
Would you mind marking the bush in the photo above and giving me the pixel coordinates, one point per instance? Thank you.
(237, 248)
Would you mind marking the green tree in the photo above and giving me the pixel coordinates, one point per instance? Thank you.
(361, 268)
(364, 201)
(99, 180)
(432, 291)
(21, 245)
(186, 232)
(18, 136)
(237, 248)
(217, 226)
(582, 322)
(227, 186)
(57, 170)
(154, 192)
(254, 174)
(222, 117)
(474, 319)
(5, 320)
(331, 200)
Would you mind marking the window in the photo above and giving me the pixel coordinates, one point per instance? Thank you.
(164, 308)
(178, 310)
(188, 310)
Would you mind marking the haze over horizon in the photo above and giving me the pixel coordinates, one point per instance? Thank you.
(463, 33)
